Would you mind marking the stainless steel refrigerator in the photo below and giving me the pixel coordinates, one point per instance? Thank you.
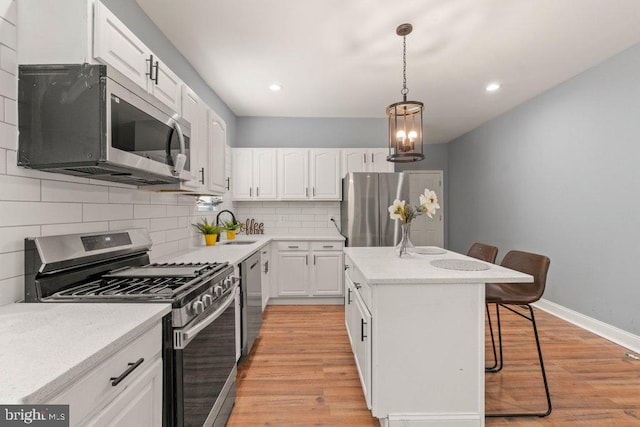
(366, 197)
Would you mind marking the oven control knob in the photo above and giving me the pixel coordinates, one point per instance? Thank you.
(227, 282)
(218, 290)
(197, 307)
(207, 300)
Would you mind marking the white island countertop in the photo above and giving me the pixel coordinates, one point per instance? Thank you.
(45, 347)
(236, 253)
(380, 265)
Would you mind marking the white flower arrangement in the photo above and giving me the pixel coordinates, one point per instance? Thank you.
(405, 213)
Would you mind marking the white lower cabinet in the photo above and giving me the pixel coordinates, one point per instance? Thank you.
(308, 269)
(358, 322)
(125, 390)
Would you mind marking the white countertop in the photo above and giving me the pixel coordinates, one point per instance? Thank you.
(382, 266)
(234, 253)
(47, 346)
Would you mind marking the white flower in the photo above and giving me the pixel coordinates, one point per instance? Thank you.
(396, 210)
(429, 202)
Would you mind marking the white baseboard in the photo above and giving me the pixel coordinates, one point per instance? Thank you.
(307, 301)
(611, 333)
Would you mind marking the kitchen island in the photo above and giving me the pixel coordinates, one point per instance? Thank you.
(416, 327)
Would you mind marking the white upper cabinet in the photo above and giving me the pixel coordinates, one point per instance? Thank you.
(191, 110)
(216, 142)
(265, 173)
(365, 160)
(293, 174)
(254, 173)
(325, 174)
(114, 44)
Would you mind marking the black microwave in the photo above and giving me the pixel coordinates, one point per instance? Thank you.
(89, 120)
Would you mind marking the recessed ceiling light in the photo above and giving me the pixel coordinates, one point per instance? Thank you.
(492, 87)
(275, 87)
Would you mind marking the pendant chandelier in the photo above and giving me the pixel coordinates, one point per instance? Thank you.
(405, 117)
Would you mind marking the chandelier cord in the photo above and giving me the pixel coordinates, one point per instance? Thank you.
(404, 90)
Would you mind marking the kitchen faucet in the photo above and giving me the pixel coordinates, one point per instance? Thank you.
(233, 217)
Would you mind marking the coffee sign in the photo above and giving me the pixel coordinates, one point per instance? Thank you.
(252, 227)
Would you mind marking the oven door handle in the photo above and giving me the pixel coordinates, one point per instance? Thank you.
(182, 338)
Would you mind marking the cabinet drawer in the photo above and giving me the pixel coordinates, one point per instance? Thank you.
(293, 246)
(361, 286)
(94, 389)
(326, 246)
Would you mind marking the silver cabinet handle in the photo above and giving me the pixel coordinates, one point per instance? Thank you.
(362, 324)
(371, 157)
(293, 247)
(306, 260)
(314, 191)
(306, 192)
(314, 260)
(328, 246)
(257, 191)
(250, 191)
(228, 183)
(365, 157)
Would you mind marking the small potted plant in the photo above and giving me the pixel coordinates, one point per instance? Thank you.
(231, 227)
(210, 231)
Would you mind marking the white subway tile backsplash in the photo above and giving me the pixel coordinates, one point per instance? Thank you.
(83, 227)
(128, 223)
(8, 60)
(156, 224)
(163, 249)
(8, 11)
(12, 264)
(11, 290)
(12, 238)
(178, 210)
(121, 195)
(158, 237)
(18, 188)
(8, 136)
(183, 222)
(164, 198)
(3, 161)
(30, 213)
(177, 234)
(60, 191)
(8, 85)
(149, 211)
(106, 212)
(8, 32)
(110, 184)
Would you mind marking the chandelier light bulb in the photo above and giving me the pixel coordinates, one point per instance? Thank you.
(413, 135)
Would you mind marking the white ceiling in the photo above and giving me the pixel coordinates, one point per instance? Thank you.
(342, 58)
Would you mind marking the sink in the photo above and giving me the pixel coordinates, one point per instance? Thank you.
(238, 242)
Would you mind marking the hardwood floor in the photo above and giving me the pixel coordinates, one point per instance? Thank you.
(301, 373)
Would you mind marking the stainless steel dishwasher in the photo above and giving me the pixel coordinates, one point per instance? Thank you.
(251, 290)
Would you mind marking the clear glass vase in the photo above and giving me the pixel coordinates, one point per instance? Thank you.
(405, 248)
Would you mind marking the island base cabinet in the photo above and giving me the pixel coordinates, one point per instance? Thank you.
(421, 361)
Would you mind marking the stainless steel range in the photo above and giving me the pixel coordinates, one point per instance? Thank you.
(201, 335)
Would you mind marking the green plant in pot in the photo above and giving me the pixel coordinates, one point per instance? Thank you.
(231, 227)
(210, 231)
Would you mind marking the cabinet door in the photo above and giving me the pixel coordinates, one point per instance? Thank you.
(115, 45)
(354, 160)
(293, 273)
(166, 85)
(217, 140)
(362, 347)
(265, 173)
(266, 277)
(139, 405)
(293, 174)
(350, 311)
(191, 106)
(378, 161)
(327, 273)
(242, 173)
(325, 174)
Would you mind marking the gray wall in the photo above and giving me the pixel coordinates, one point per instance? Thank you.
(311, 132)
(559, 176)
(130, 13)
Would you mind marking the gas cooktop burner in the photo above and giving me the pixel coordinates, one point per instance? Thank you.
(169, 270)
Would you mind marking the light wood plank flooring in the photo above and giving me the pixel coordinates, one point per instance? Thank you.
(301, 373)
